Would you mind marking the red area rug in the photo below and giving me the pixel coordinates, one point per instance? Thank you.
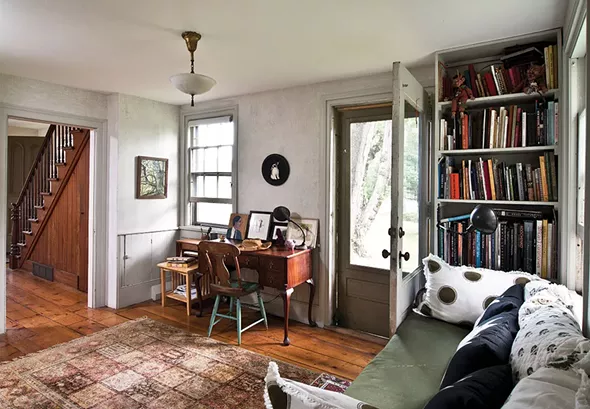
(144, 364)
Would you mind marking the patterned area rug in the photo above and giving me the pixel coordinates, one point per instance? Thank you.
(142, 364)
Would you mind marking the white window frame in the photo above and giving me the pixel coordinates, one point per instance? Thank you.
(581, 177)
(187, 117)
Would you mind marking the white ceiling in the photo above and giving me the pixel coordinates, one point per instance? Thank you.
(134, 46)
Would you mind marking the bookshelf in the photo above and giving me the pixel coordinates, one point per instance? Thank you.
(482, 58)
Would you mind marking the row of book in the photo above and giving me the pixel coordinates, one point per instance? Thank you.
(505, 127)
(524, 241)
(506, 77)
(493, 180)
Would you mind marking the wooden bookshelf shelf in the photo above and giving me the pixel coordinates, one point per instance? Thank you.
(503, 151)
(500, 202)
(510, 99)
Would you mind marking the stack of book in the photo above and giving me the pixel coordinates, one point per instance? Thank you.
(182, 262)
(505, 127)
(507, 76)
(493, 180)
(524, 240)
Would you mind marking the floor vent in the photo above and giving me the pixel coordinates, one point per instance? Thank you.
(43, 271)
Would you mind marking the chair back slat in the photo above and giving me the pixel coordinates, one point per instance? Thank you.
(215, 255)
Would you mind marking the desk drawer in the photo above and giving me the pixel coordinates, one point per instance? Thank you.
(273, 272)
(247, 261)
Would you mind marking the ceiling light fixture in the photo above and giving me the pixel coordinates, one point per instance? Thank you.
(191, 83)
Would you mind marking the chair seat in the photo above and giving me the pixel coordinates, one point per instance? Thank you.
(235, 289)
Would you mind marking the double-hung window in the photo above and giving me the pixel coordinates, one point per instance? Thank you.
(210, 167)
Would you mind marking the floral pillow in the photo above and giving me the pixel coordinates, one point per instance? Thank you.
(459, 295)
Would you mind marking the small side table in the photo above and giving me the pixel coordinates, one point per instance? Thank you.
(181, 275)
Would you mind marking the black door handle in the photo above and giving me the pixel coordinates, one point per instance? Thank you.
(385, 253)
(405, 256)
(402, 233)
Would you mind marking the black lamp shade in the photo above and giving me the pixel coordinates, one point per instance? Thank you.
(483, 219)
(281, 214)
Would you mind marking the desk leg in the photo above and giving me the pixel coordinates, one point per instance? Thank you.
(286, 295)
(311, 295)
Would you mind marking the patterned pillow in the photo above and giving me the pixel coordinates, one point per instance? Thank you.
(549, 335)
(283, 393)
(459, 295)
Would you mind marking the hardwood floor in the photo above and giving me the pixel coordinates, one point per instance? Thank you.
(41, 314)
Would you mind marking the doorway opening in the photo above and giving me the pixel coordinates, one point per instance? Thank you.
(48, 197)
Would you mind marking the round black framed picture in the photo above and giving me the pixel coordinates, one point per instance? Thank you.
(275, 169)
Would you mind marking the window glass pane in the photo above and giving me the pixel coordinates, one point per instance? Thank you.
(411, 223)
(211, 160)
(225, 159)
(211, 186)
(225, 187)
(215, 213)
(370, 192)
(199, 186)
(215, 134)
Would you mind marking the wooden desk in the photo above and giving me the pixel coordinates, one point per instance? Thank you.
(277, 268)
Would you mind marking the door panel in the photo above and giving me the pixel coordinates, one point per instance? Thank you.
(364, 207)
(407, 207)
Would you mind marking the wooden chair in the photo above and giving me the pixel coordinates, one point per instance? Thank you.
(213, 256)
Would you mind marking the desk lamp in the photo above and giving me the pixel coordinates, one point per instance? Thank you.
(482, 219)
(282, 214)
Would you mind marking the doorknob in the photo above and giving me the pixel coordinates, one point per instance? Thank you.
(385, 253)
(405, 256)
(402, 233)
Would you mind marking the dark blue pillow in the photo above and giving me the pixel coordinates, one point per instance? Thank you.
(490, 347)
(487, 388)
(513, 298)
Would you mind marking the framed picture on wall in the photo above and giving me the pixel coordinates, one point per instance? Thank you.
(151, 178)
(259, 225)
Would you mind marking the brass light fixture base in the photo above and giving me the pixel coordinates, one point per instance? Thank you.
(191, 38)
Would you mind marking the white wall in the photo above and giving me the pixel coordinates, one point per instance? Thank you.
(289, 121)
(147, 229)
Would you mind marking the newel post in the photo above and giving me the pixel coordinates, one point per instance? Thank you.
(14, 249)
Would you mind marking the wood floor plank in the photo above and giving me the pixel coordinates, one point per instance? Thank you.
(41, 314)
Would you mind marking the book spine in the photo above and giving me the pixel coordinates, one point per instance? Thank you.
(549, 250)
(523, 127)
(493, 251)
(544, 247)
(555, 254)
(513, 139)
(503, 230)
(497, 182)
(459, 244)
(553, 171)
(486, 179)
(491, 176)
(528, 246)
(496, 82)
(520, 265)
(529, 182)
(555, 67)
(547, 67)
(464, 132)
(550, 120)
(538, 194)
(538, 130)
(544, 189)
(551, 78)
(477, 249)
(441, 243)
(455, 186)
(521, 182)
(484, 129)
(556, 122)
(493, 120)
(510, 119)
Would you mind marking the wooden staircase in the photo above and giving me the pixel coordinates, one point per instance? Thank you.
(46, 181)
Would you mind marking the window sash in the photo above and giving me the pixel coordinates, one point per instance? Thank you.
(228, 172)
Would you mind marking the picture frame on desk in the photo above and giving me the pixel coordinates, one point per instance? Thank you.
(283, 227)
(311, 231)
(259, 225)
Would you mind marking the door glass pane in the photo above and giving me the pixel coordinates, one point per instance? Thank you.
(370, 192)
(411, 190)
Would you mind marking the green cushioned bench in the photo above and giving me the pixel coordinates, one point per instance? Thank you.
(408, 371)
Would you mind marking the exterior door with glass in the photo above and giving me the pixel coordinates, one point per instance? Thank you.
(410, 179)
(364, 207)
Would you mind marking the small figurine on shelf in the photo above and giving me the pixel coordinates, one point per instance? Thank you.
(535, 81)
(461, 93)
